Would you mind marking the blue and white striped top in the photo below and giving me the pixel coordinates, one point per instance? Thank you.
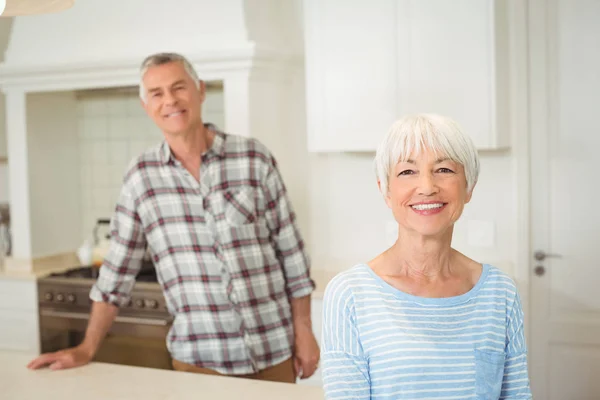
(379, 342)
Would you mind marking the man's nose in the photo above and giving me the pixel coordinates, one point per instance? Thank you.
(169, 98)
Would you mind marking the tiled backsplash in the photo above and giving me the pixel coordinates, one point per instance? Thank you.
(113, 129)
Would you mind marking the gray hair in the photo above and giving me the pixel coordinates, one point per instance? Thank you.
(161, 59)
(414, 133)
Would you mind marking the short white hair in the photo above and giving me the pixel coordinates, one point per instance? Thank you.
(413, 133)
(154, 60)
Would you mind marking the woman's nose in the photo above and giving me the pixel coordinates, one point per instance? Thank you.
(427, 186)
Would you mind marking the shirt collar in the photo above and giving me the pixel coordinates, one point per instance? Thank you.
(217, 147)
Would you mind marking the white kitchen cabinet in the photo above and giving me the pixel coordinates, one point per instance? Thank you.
(19, 316)
(350, 58)
(368, 63)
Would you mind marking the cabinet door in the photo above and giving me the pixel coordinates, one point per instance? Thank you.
(368, 63)
(453, 60)
(350, 73)
(19, 331)
(19, 316)
(3, 144)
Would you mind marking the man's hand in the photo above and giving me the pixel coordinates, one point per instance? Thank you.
(306, 351)
(63, 359)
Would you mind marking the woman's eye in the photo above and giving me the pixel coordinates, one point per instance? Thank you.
(406, 172)
(446, 170)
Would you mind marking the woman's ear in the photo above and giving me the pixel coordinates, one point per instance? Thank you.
(386, 196)
(469, 195)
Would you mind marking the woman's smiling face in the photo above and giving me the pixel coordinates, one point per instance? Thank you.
(427, 193)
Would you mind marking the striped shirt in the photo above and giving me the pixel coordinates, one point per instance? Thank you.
(379, 342)
(227, 252)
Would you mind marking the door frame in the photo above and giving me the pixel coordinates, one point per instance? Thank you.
(520, 88)
(541, 25)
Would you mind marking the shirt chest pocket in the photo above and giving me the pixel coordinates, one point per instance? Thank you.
(234, 207)
(489, 374)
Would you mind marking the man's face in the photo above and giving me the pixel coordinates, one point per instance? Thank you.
(172, 99)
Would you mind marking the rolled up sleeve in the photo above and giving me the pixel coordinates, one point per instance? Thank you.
(124, 258)
(289, 246)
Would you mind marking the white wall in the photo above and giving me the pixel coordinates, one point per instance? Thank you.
(348, 217)
(3, 183)
(53, 172)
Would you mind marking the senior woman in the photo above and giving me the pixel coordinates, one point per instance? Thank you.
(421, 320)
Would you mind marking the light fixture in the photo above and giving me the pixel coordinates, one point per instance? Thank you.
(13, 8)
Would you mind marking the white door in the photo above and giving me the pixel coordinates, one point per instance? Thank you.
(564, 73)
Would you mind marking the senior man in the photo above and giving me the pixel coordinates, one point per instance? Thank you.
(213, 212)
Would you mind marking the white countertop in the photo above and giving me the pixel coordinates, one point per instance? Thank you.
(115, 382)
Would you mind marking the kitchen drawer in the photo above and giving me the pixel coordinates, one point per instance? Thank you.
(18, 295)
(19, 331)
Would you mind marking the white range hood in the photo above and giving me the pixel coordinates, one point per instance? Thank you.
(12, 8)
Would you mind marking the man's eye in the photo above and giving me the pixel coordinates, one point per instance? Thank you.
(406, 172)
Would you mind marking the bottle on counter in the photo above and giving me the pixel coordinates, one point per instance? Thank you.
(100, 251)
(85, 252)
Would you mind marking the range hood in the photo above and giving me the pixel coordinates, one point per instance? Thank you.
(12, 8)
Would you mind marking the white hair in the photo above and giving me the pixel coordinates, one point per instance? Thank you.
(161, 59)
(413, 133)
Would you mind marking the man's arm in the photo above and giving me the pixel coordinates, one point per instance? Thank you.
(287, 239)
(101, 319)
(117, 277)
(306, 349)
(290, 250)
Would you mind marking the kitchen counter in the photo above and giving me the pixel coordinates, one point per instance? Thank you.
(107, 381)
(38, 267)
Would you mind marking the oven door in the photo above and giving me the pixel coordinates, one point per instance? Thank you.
(132, 340)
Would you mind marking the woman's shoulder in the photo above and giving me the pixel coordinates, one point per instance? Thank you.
(501, 286)
(347, 281)
(496, 277)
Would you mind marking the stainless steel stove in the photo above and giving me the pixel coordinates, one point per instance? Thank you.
(136, 338)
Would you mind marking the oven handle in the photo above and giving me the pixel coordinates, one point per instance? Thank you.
(119, 318)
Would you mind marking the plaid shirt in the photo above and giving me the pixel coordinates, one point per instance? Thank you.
(227, 252)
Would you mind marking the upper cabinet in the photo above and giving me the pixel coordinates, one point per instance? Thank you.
(3, 143)
(368, 63)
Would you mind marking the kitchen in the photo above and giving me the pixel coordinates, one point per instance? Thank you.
(297, 61)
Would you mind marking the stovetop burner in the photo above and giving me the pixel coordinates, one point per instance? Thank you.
(147, 273)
